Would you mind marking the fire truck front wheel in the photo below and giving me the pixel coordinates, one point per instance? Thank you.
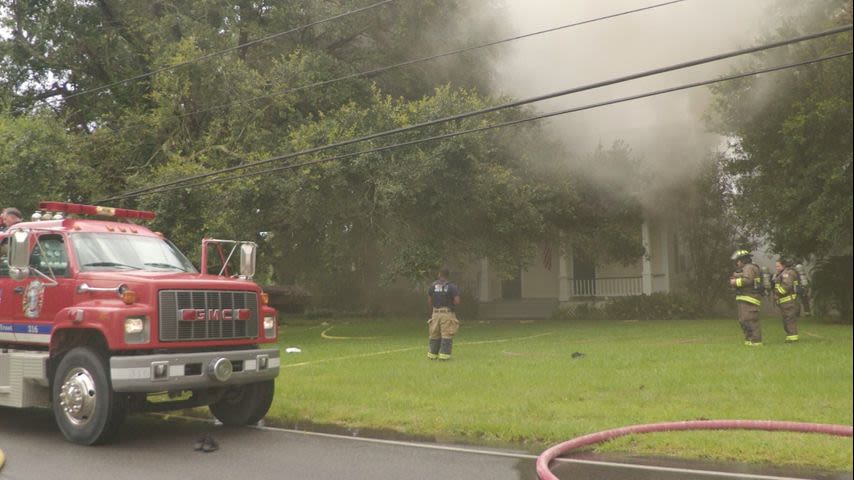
(87, 411)
(244, 404)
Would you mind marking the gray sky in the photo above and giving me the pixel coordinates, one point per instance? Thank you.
(656, 128)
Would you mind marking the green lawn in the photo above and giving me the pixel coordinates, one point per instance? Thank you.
(516, 383)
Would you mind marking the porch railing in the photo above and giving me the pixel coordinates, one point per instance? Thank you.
(607, 286)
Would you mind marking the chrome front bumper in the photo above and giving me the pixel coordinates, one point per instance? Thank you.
(187, 371)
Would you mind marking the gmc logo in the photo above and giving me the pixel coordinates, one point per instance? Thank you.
(200, 314)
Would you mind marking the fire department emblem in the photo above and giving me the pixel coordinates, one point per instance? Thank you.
(33, 299)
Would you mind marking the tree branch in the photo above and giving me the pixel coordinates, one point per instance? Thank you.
(132, 40)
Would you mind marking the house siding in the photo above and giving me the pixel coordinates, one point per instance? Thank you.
(663, 272)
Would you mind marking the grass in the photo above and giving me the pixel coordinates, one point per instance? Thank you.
(516, 383)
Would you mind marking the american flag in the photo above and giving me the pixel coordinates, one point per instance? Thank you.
(547, 256)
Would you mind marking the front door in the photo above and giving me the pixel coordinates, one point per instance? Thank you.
(584, 277)
(511, 289)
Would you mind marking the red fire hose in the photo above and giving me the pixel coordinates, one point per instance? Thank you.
(547, 456)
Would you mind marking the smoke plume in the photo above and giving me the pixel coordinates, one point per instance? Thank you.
(662, 130)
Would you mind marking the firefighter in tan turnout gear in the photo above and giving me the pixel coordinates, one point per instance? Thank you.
(443, 296)
(747, 283)
(784, 287)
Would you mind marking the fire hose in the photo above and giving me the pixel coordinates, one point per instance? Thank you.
(553, 452)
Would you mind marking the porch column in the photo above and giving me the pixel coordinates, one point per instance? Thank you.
(564, 292)
(483, 294)
(646, 276)
(665, 255)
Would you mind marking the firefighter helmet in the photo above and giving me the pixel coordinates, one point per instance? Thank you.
(740, 254)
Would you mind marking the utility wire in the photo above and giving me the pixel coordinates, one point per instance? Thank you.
(503, 124)
(407, 63)
(495, 108)
(227, 50)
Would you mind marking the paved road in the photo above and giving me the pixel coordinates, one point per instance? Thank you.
(150, 447)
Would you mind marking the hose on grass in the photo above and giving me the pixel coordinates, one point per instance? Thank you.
(553, 452)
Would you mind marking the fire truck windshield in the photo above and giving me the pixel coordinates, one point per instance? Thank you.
(113, 251)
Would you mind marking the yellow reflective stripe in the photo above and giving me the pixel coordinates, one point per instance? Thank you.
(745, 298)
(788, 299)
(738, 282)
(781, 289)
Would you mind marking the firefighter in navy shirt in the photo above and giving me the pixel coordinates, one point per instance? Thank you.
(443, 296)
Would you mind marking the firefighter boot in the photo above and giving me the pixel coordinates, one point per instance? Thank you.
(445, 349)
(433, 350)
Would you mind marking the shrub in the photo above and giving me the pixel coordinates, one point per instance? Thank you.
(664, 306)
(288, 298)
(832, 284)
(658, 306)
(580, 311)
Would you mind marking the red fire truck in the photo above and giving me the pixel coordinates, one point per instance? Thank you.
(101, 317)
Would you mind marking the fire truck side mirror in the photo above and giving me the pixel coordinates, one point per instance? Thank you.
(247, 259)
(19, 255)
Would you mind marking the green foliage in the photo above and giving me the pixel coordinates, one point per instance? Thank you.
(792, 161)
(36, 163)
(604, 223)
(700, 213)
(665, 306)
(342, 228)
(657, 306)
(831, 286)
(288, 298)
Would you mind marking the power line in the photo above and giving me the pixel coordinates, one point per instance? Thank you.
(504, 124)
(495, 108)
(414, 61)
(227, 50)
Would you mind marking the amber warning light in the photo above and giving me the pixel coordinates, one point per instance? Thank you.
(78, 209)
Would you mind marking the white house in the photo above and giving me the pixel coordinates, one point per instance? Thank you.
(561, 279)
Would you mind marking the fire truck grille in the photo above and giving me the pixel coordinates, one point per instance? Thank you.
(190, 315)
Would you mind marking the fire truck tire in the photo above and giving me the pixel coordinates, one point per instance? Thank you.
(267, 389)
(85, 407)
(244, 404)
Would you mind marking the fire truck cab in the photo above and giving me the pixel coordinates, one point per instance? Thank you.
(101, 317)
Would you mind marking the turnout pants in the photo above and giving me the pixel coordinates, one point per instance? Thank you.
(748, 318)
(790, 312)
(442, 326)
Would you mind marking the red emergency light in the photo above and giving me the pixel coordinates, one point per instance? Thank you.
(78, 209)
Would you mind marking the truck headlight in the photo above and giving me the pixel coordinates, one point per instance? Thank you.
(270, 327)
(136, 329)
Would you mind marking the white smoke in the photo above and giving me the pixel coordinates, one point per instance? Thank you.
(662, 129)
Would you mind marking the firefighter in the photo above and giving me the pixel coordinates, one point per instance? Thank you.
(785, 287)
(804, 293)
(10, 216)
(747, 283)
(443, 296)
